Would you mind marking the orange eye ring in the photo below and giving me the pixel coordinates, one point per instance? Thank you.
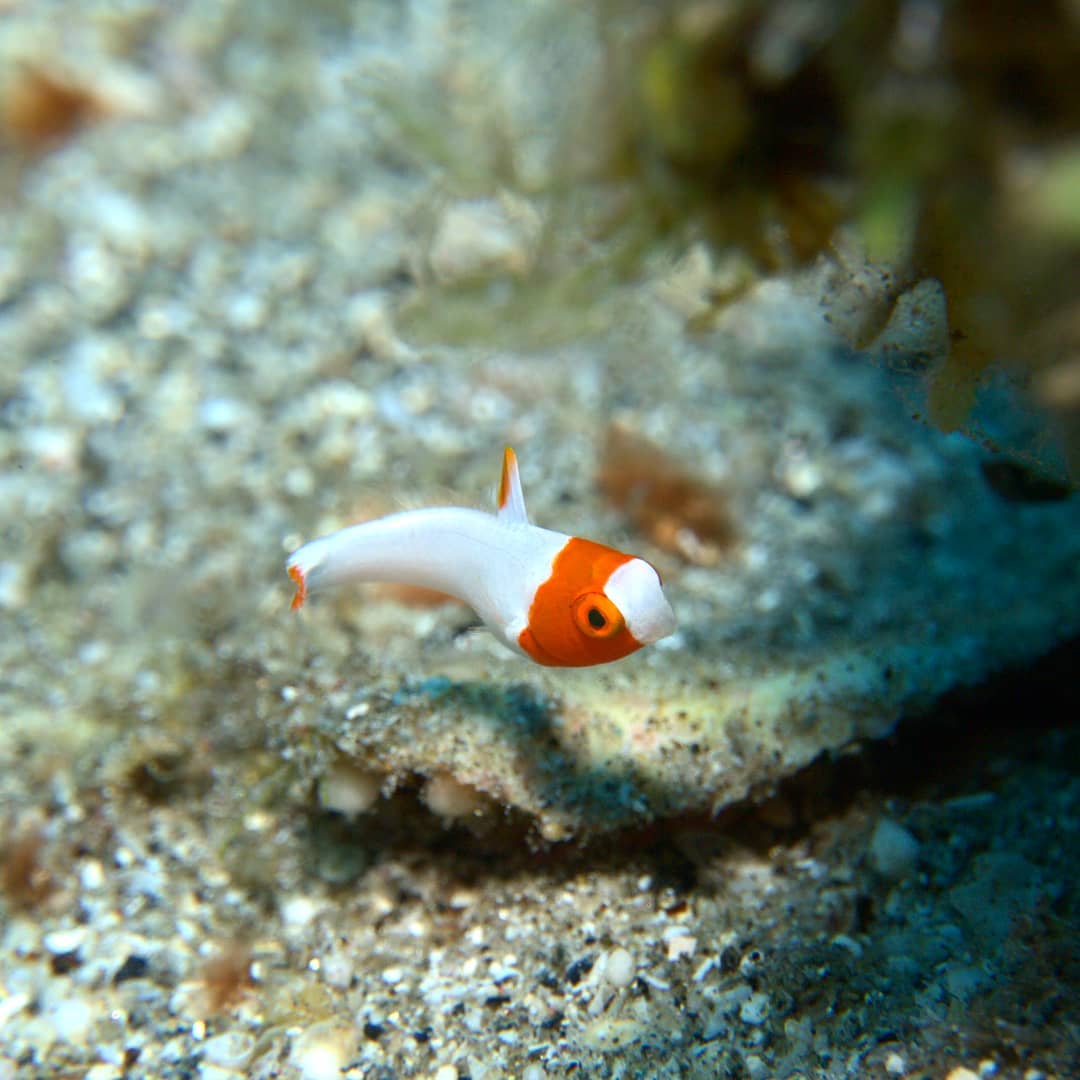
(597, 617)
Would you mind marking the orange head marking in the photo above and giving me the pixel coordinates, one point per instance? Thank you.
(301, 587)
(572, 623)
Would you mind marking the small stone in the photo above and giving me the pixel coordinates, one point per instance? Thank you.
(14, 585)
(245, 311)
(88, 391)
(680, 945)
(893, 850)
(322, 1051)
(338, 970)
(846, 941)
(481, 238)
(895, 1065)
(755, 1009)
(756, 1067)
(223, 130)
(298, 911)
(349, 789)
(56, 449)
(367, 317)
(103, 1071)
(231, 1049)
(619, 969)
(71, 1019)
(209, 1071)
(751, 963)
(299, 482)
(67, 941)
(450, 798)
(12, 1005)
(802, 478)
(608, 1034)
(220, 415)
(91, 875)
(687, 287)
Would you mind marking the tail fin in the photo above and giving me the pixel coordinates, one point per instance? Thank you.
(301, 587)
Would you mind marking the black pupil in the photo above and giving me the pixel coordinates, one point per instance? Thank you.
(596, 619)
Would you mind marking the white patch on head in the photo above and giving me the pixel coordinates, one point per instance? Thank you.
(634, 588)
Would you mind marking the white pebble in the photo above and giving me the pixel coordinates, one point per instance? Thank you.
(893, 850)
(337, 970)
(680, 945)
(348, 789)
(222, 131)
(895, 1065)
(448, 797)
(222, 414)
(446, 1072)
(71, 1019)
(12, 1005)
(103, 1071)
(14, 585)
(209, 1071)
(367, 316)
(482, 238)
(322, 1051)
(768, 600)
(245, 311)
(619, 969)
(756, 1067)
(231, 1049)
(85, 378)
(755, 1008)
(298, 482)
(68, 940)
(298, 911)
(54, 448)
(802, 478)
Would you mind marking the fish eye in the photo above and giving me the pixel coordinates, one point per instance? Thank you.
(596, 616)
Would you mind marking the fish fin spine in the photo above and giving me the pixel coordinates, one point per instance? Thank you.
(511, 506)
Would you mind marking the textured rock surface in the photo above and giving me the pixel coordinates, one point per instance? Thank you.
(191, 293)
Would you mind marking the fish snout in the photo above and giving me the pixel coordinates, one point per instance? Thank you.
(636, 590)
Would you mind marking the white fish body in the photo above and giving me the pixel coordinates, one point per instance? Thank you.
(560, 600)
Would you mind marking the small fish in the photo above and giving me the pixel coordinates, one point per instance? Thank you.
(559, 600)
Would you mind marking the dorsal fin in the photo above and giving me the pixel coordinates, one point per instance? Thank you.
(511, 500)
